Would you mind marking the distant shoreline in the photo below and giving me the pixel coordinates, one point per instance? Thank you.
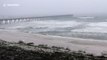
(70, 15)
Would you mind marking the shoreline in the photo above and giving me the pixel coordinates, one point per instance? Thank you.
(93, 46)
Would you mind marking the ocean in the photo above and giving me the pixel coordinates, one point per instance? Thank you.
(79, 27)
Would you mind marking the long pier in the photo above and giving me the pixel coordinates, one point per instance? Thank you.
(17, 20)
(27, 19)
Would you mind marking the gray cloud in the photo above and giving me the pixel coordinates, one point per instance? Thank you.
(51, 7)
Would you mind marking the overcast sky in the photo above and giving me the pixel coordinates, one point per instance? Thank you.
(51, 7)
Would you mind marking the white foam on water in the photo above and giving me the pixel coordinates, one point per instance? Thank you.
(55, 24)
(48, 24)
(99, 24)
(100, 27)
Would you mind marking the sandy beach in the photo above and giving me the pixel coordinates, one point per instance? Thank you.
(89, 45)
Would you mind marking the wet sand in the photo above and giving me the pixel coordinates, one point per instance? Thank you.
(89, 45)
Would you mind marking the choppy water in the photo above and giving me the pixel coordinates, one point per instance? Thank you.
(93, 28)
